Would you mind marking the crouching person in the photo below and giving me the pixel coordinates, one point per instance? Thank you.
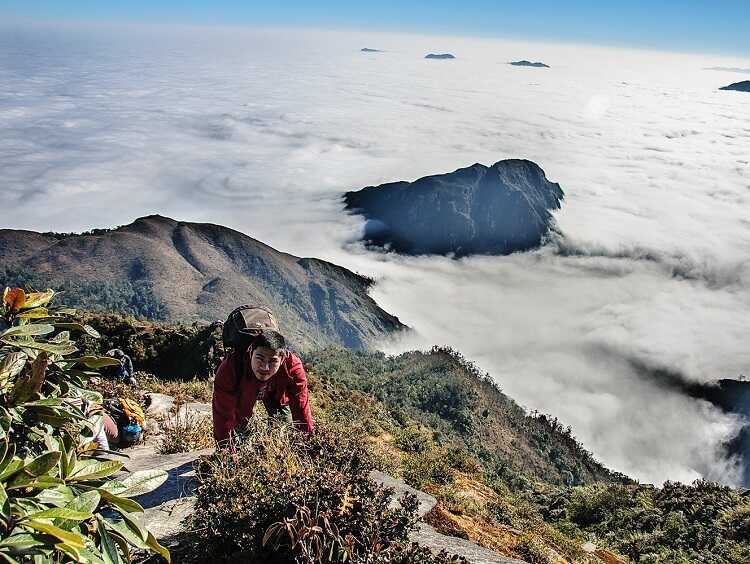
(266, 372)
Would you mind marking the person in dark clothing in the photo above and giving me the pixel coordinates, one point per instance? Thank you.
(271, 374)
(123, 372)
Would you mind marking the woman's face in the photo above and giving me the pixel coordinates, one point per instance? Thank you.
(265, 362)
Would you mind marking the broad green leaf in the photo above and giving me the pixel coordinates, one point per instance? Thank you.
(135, 525)
(124, 547)
(16, 465)
(47, 402)
(91, 555)
(159, 549)
(86, 502)
(10, 366)
(23, 480)
(58, 496)
(121, 528)
(28, 330)
(42, 464)
(51, 348)
(61, 337)
(94, 470)
(108, 546)
(96, 361)
(88, 329)
(121, 503)
(36, 313)
(61, 513)
(73, 551)
(141, 482)
(68, 537)
(23, 541)
(4, 504)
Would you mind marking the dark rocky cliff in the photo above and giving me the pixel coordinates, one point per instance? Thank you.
(499, 209)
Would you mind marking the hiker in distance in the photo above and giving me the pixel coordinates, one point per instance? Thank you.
(259, 367)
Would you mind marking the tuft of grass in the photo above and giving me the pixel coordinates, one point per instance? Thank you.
(185, 434)
(182, 390)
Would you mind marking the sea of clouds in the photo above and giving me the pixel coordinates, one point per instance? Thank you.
(263, 130)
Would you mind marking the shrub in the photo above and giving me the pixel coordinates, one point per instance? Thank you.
(185, 433)
(283, 496)
(58, 503)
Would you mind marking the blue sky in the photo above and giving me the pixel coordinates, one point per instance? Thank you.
(687, 25)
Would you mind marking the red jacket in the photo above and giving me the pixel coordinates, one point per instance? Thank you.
(233, 404)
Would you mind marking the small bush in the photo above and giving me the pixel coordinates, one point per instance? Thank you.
(185, 433)
(414, 439)
(425, 469)
(284, 496)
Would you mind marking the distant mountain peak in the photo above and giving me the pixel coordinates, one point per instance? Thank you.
(499, 209)
(200, 272)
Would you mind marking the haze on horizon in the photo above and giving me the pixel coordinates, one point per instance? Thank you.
(257, 128)
(670, 25)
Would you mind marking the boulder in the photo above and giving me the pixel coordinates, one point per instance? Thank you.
(158, 405)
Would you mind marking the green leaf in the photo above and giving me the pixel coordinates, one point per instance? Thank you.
(47, 402)
(42, 464)
(28, 330)
(23, 541)
(73, 551)
(59, 496)
(61, 513)
(10, 366)
(140, 482)
(24, 480)
(121, 503)
(68, 537)
(94, 470)
(85, 502)
(36, 313)
(159, 549)
(122, 528)
(4, 504)
(108, 546)
(16, 465)
(96, 362)
(88, 329)
(51, 348)
(135, 525)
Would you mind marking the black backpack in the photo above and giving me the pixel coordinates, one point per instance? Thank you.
(240, 329)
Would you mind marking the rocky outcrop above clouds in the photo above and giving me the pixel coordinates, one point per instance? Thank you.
(526, 63)
(743, 86)
(500, 209)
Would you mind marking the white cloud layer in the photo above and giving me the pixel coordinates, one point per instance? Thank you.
(263, 130)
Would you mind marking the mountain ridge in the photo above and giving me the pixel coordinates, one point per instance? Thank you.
(200, 271)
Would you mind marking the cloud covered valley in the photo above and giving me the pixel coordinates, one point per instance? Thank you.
(264, 130)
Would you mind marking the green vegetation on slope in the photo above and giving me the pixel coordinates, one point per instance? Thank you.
(499, 473)
(132, 298)
(58, 501)
(452, 397)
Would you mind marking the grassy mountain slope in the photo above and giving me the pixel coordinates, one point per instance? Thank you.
(449, 395)
(164, 269)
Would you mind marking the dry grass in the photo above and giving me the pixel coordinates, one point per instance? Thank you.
(182, 391)
(185, 434)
